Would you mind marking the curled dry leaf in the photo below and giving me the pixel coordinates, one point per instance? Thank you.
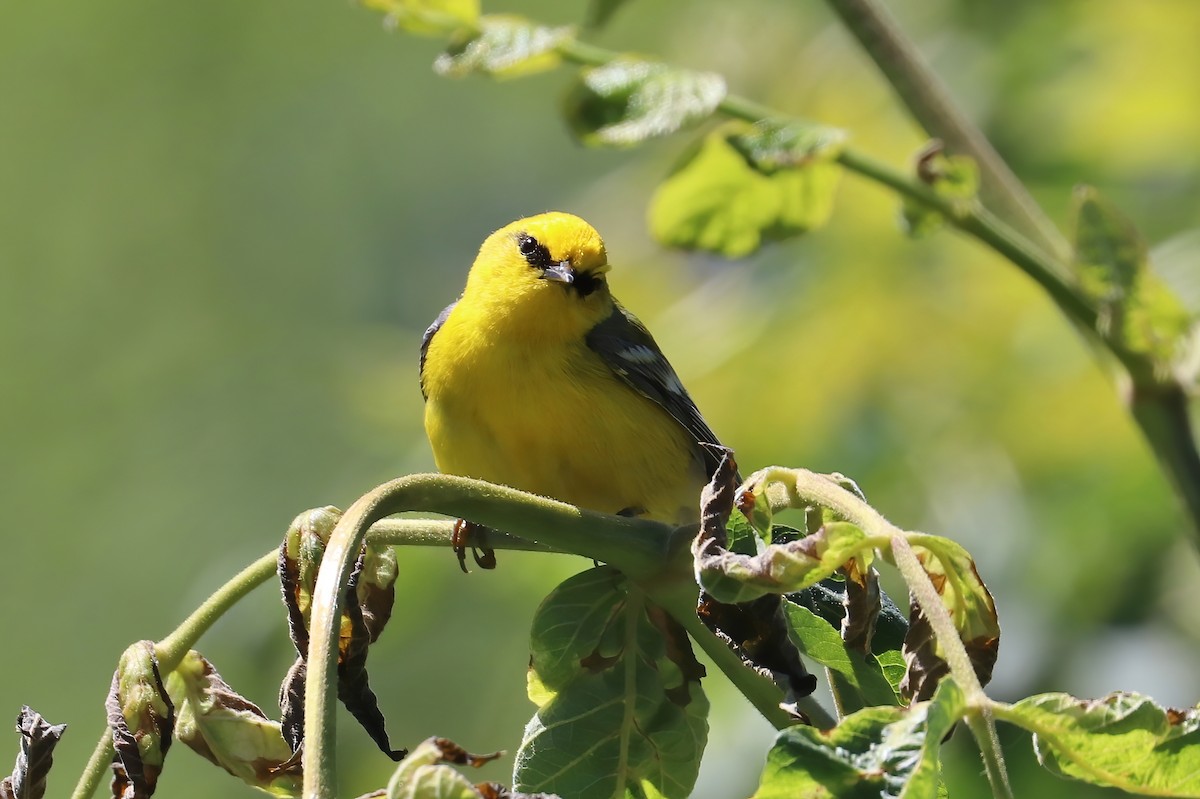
(229, 730)
(38, 739)
(370, 594)
(971, 609)
(142, 719)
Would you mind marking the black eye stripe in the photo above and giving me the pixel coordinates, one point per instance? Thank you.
(585, 283)
(534, 252)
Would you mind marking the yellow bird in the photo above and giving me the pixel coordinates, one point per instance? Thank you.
(536, 378)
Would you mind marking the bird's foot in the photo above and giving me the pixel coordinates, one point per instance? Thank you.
(468, 534)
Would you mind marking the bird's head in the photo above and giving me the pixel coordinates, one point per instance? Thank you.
(548, 271)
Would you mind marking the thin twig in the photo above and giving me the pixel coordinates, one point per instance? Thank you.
(929, 101)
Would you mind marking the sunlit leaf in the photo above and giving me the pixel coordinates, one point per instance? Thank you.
(1122, 740)
(1136, 309)
(771, 145)
(230, 730)
(427, 17)
(502, 46)
(781, 568)
(717, 200)
(628, 101)
(876, 752)
(38, 739)
(423, 774)
(620, 710)
(953, 177)
(971, 609)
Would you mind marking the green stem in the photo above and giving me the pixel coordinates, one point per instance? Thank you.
(171, 649)
(970, 218)
(764, 694)
(636, 547)
(979, 715)
(97, 766)
(1161, 413)
(931, 104)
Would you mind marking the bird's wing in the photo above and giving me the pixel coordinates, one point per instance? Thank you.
(631, 352)
(428, 337)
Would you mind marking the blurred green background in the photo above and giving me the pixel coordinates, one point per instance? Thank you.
(223, 227)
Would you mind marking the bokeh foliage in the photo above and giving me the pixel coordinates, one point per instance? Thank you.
(224, 227)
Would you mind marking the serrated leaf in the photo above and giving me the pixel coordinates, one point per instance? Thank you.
(628, 101)
(1136, 309)
(953, 177)
(1122, 740)
(771, 145)
(876, 752)
(427, 17)
(38, 739)
(620, 709)
(503, 46)
(862, 676)
(718, 201)
(971, 609)
(229, 730)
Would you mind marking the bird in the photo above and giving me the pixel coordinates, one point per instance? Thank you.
(538, 379)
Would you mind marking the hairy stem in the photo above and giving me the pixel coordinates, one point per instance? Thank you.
(932, 106)
(979, 715)
(636, 547)
(171, 649)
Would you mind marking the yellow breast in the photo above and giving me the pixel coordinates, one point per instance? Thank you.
(554, 420)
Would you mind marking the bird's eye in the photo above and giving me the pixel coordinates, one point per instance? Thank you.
(532, 250)
(527, 244)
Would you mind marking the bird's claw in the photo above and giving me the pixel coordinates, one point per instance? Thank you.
(475, 536)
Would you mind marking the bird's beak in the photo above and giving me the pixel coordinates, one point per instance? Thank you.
(560, 272)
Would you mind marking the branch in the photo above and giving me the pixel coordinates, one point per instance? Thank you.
(931, 105)
(637, 547)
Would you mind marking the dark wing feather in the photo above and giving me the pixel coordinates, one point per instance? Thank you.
(631, 352)
(428, 337)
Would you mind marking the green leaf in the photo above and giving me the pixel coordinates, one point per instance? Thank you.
(427, 17)
(893, 666)
(780, 568)
(771, 145)
(1122, 740)
(821, 642)
(971, 609)
(627, 101)
(230, 730)
(503, 46)
(876, 752)
(423, 775)
(1137, 310)
(620, 710)
(721, 199)
(954, 177)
